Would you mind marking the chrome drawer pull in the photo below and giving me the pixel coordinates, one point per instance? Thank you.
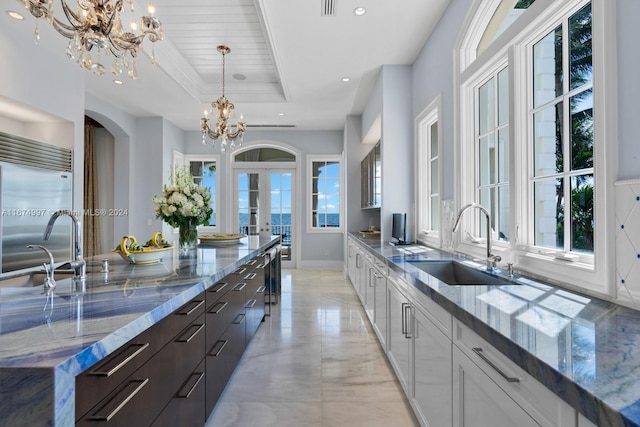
(241, 270)
(218, 307)
(251, 303)
(239, 318)
(220, 344)
(239, 287)
(198, 329)
(218, 287)
(113, 406)
(261, 289)
(194, 308)
(130, 352)
(250, 276)
(478, 351)
(198, 376)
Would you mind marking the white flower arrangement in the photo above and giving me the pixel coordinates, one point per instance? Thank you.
(183, 201)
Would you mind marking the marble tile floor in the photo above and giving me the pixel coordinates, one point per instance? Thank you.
(315, 362)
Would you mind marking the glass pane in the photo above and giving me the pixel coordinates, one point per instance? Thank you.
(195, 168)
(582, 130)
(486, 108)
(487, 201)
(547, 68)
(549, 213)
(503, 213)
(548, 137)
(580, 49)
(435, 212)
(486, 166)
(503, 96)
(582, 213)
(435, 185)
(433, 138)
(503, 155)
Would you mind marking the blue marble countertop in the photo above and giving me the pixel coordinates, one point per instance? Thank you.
(47, 340)
(584, 349)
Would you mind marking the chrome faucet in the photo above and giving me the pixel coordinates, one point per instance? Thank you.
(491, 259)
(49, 281)
(78, 263)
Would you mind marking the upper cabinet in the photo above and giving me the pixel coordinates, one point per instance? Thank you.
(371, 179)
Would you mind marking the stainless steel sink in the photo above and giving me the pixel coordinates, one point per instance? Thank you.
(456, 273)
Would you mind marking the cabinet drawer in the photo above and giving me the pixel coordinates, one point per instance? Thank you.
(187, 407)
(538, 401)
(222, 358)
(96, 382)
(123, 406)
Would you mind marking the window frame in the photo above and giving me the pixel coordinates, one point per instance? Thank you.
(430, 115)
(188, 158)
(515, 48)
(311, 159)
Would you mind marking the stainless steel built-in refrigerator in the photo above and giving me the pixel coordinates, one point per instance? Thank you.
(28, 197)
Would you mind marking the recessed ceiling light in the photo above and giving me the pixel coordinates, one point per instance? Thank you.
(239, 76)
(346, 79)
(359, 11)
(15, 15)
(118, 82)
(281, 113)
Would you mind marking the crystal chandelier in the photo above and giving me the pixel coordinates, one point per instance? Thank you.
(222, 107)
(98, 24)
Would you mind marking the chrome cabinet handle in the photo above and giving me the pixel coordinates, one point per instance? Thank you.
(197, 328)
(218, 307)
(190, 385)
(114, 406)
(478, 351)
(186, 312)
(261, 289)
(239, 287)
(218, 287)
(404, 319)
(407, 315)
(215, 351)
(251, 303)
(250, 276)
(114, 364)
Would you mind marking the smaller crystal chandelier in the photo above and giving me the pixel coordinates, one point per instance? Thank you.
(223, 109)
(98, 24)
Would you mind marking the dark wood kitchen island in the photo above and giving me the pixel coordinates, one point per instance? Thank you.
(137, 341)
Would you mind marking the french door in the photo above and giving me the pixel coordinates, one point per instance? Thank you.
(264, 206)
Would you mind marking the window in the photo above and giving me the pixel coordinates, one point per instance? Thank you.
(325, 193)
(562, 149)
(492, 153)
(530, 127)
(205, 173)
(428, 167)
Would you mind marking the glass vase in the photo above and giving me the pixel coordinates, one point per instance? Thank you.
(188, 240)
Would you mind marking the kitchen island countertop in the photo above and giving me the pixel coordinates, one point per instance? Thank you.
(47, 340)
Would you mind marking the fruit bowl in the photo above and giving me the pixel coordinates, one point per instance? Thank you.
(151, 253)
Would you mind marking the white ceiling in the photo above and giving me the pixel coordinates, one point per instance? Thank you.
(292, 58)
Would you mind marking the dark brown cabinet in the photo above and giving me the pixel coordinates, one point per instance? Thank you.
(174, 373)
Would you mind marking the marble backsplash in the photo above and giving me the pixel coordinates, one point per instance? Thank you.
(628, 243)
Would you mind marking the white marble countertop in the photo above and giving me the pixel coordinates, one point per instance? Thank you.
(584, 349)
(47, 340)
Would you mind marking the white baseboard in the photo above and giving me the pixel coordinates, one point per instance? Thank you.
(321, 265)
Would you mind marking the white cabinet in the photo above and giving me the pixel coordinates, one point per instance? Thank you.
(431, 377)
(479, 402)
(399, 333)
(490, 390)
(379, 278)
(584, 422)
(420, 353)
